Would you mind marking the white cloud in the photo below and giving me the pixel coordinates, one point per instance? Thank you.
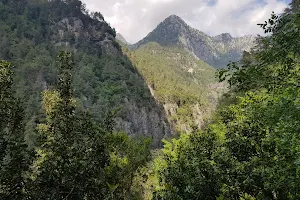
(134, 19)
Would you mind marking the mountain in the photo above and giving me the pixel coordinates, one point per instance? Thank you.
(184, 85)
(32, 33)
(216, 51)
(121, 39)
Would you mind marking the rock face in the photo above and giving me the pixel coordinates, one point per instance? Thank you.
(216, 51)
(73, 32)
(142, 121)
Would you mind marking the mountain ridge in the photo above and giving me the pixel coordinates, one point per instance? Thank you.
(217, 51)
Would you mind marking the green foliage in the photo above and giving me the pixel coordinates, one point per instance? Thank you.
(76, 154)
(14, 156)
(127, 155)
(177, 78)
(29, 39)
(188, 169)
(72, 155)
(273, 63)
(238, 154)
(166, 70)
(251, 150)
(264, 151)
(75, 158)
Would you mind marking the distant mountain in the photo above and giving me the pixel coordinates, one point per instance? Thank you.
(216, 51)
(121, 39)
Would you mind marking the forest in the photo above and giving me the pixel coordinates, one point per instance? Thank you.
(61, 93)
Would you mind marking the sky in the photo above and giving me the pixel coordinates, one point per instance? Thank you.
(134, 19)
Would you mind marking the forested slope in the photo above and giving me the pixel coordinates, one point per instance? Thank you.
(183, 84)
(31, 35)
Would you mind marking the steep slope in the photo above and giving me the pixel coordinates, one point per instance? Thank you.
(31, 35)
(216, 51)
(184, 85)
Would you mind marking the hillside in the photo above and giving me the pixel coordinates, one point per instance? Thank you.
(216, 51)
(31, 35)
(184, 85)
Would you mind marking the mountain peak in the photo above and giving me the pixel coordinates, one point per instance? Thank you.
(174, 19)
(216, 51)
(224, 37)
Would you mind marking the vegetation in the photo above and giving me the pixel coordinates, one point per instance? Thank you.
(74, 157)
(13, 152)
(251, 150)
(61, 144)
(30, 40)
(67, 148)
(177, 78)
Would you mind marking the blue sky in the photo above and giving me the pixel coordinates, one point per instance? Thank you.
(134, 19)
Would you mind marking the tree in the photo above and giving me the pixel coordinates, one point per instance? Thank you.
(127, 155)
(98, 16)
(189, 169)
(13, 153)
(251, 150)
(72, 156)
(294, 6)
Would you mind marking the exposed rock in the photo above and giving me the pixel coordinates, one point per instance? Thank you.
(73, 29)
(143, 121)
(109, 48)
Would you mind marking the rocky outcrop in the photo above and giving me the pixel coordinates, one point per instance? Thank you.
(216, 51)
(72, 32)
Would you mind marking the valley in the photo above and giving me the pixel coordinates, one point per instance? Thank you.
(180, 114)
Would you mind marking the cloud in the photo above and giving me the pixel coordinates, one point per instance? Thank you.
(134, 19)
